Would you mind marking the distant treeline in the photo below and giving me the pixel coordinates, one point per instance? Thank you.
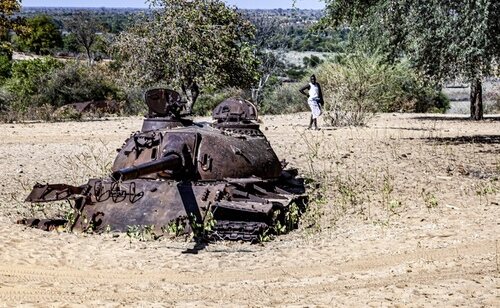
(284, 29)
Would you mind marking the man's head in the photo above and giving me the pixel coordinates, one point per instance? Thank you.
(313, 79)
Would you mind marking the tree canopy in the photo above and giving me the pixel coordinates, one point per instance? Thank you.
(195, 45)
(7, 9)
(443, 39)
(43, 35)
(7, 22)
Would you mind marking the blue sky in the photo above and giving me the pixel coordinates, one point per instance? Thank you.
(244, 4)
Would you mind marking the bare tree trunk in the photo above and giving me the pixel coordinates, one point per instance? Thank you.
(256, 92)
(89, 55)
(191, 92)
(476, 100)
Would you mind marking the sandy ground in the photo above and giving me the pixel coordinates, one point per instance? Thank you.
(408, 214)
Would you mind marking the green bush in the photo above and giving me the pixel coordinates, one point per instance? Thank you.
(359, 85)
(311, 61)
(49, 82)
(5, 100)
(134, 101)
(284, 98)
(28, 81)
(5, 68)
(77, 83)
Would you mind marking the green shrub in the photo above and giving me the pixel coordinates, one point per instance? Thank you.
(6, 99)
(77, 83)
(311, 61)
(40, 82)
(28, 80)
(295, 72)
(284, 98)
(5, 67)
(359, 85)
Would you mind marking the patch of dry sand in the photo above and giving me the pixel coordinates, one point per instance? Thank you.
(408, 215)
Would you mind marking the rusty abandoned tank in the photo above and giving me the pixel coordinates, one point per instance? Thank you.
(178, 173)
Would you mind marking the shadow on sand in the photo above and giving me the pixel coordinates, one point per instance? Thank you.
(455, 118)
(474, 139)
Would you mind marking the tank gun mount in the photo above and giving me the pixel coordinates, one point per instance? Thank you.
(163, 103)
(165, 107)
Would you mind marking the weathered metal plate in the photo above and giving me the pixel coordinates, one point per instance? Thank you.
(53, 192)
(144, 202)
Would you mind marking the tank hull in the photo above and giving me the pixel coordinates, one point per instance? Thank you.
(238, 209)
(222, 180)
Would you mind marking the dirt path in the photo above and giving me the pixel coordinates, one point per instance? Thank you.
(315, 283)
(420, 227)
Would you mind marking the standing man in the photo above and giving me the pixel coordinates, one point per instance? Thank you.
(315, 101)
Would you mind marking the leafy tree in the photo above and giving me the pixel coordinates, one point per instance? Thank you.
(193, 44)
(270, 65)
(70, 43)
(7, 9)
(43, 36)
(270, 62)
(443, 39)
(86, 29)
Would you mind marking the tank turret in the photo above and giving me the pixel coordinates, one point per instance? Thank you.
(177, 170)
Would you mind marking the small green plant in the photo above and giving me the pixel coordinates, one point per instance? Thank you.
(209, 222)
(70, 216)
(395, 206)
(279, 228)
(175, 227)
(292, 216)
(265, 236)
(430, 199)
(133, 231)
(202, 229)
(37, 208)
(142, 233)
(485, 189)
(313, 216)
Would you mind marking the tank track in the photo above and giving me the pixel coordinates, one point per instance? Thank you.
(238, 230)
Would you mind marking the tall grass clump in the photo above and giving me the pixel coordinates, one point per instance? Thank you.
(359, 85)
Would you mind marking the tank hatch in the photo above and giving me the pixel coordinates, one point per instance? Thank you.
(235, 110)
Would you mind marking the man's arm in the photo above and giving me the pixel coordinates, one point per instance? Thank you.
(304, 88)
